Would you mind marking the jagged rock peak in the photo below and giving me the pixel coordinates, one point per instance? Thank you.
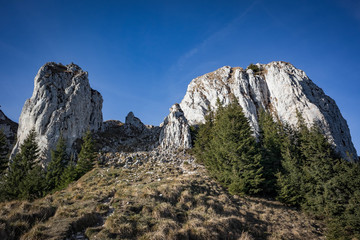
(175, 132)
(9, 128)
(134, 122)
(277, 87)
(176, 109)
(62, 103)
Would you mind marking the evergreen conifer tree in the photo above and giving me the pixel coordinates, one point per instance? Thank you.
(55, 169)
(342, 201)
(87, 155)
(25, 178)
(33, 185)
(289, 180)
(318, 168)
(3, 153)
(29, 151)
(69, 174)
(13, 178)
(233, 157)
(203, 138)
(270, 140)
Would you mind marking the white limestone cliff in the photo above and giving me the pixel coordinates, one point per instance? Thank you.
(278, 87)
(175, 132)
(62, 103)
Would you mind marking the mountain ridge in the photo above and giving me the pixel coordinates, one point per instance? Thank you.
(277, 87)
(145, 184)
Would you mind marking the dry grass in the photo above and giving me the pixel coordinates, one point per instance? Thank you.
(152, 201)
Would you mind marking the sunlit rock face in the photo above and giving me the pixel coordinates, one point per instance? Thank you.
(175, 130)
(277, 87)
(62, 103)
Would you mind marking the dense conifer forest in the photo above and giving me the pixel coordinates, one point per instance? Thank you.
(298, 167)
(26, 178)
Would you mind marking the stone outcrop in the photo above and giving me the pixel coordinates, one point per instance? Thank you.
(134, 124)
(62, 103)
(278, 87)
(9, 128)
(130, 136)
(175, 132)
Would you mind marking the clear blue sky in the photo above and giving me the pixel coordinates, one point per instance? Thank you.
(141, 55)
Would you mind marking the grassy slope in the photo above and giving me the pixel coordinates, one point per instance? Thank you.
(152, 201)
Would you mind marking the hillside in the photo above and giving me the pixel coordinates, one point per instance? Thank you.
(152, 195)
(265, 131)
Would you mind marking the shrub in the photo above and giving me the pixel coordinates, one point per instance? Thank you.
(254, 67)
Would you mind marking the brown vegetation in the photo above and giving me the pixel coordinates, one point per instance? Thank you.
(153, 201)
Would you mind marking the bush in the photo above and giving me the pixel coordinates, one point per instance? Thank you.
(254, 67)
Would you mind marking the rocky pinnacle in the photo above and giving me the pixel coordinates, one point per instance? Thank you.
(62, 104)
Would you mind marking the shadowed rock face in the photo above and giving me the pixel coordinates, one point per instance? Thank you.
(62, 104)
(134, 124)
(277, 87)
(9, 128)
(175, 132)
(130, 136)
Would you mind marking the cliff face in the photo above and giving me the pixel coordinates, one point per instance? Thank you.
(278, 87)
(62, 104)
(9, 128)
(175, 130)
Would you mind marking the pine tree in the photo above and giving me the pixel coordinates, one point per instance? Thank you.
(69, 174)
(203, 138)
(55, 169)
(233, 157)
(289, 180)
(33, 184)
(3, 153)
(314, 177)
(320, 159)
(87, 155)
(342, 198)
(25, 178)
(13, 178)
(270, 140)
(29, 151)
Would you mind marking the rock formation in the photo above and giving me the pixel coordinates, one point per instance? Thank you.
(9, 128)
(134, 124)
(62, 104)
(175, 132)
(130, 136)
(278, 87)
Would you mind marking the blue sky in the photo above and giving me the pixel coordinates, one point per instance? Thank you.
(141, 55)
